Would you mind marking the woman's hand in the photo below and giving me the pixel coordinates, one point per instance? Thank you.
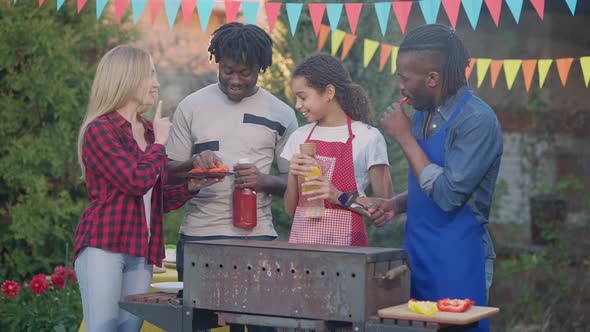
(321, 188)
(300, 165)
(161, 126)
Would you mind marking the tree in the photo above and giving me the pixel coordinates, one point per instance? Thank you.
(47, 63)
(381, 86)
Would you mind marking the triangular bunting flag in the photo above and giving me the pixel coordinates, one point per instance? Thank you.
(100, 4)
(250, 9)
(515, 7)
(231, 10)
(382, 10)
(171, 7)
(482, 69)
(430, 10)
(511, 68)
(353, 12)
(273, 10)
(544, 65)
(452, 9)
(402, 11)
(539, 7)
(155, 7)
(472, 9)
(469, 69)
(188, 8)
(572, 5)
(316, 12)
(349, 40)
(204, 9)
(293, 14)
(337, 38)
(324, 34)
(137, 7)
(120, 6)
(384, 55)
(370, 48)
(81, 4)
(494, 6)
(334, 12)
(563, 68)
(394, 52)
(59, 3)
(42, 1)
(528, 71)
(585, 64)
(495, 68)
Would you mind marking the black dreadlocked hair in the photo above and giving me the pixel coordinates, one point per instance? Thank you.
(242, 43)
(321, 69)
(444, 49)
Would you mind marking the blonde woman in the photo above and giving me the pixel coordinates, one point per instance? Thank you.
(122, 157)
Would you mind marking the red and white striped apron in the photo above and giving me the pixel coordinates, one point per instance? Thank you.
(338, 226)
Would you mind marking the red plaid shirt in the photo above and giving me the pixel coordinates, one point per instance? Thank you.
(118, 174)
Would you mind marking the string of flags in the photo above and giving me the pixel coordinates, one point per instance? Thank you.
(344, 41)
(429, 8)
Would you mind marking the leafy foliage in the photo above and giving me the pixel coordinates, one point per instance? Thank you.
(47, 62)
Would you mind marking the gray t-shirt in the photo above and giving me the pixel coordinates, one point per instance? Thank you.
(256, 128)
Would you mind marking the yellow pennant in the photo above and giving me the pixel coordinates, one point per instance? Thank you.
(394, 51)
(543, 66)
(585, 63)
(337, 38)
(511, 68)
(370, 49)
(482, 69)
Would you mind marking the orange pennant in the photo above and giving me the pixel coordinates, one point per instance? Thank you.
(385, 53)
(528, 70)
(231, 10)
(563, 67)
(495, 67)
(316, 11)
(155, 6)
(41, 3)
(323, 37)
(188, 8)
(120, 6)
(81, 4)
(273, 9)
(469, 69)
(349, 40)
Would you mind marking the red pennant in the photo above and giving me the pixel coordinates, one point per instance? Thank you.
(469, 69)
(324, 33)
(452, 9)
(349, 40)
(385, 53)
(495, 67)
(353, 11)
(231, 10)
(155, 6)
(272, 12)
(316, 11)
(563, 67)
(188, 7)
(528, 70)
(81, 4)
(41, 3)
(402, 12)
(539, 7)
(120, 6)
(494, 6)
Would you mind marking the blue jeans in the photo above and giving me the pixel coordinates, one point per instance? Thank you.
(105, 277)
(180, 268)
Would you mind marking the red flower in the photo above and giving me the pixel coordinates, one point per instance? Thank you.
(10, 288)
(62, 271)
(38, 284)
(58, 280)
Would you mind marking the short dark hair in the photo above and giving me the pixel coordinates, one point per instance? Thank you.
(242, 43)
(321, 70)
(444, 48)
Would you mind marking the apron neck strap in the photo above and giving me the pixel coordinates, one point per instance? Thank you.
(348, 123)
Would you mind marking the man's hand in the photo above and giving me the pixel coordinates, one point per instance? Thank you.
(396, 123)
(206, 159)
(248, 176)
(194, 185)
(381, 210)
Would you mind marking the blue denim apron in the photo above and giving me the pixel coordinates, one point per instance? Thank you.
(445, 249)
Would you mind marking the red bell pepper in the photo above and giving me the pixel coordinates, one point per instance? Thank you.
(454, 305)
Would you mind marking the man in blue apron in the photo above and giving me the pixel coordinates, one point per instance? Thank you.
(453, 144)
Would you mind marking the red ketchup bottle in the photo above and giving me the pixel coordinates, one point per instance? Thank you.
(244, 205)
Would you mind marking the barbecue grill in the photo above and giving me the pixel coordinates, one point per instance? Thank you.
(280, 284)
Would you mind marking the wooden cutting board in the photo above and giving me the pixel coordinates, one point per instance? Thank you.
(472, 315)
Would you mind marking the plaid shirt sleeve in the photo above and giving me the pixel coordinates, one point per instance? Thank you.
(105, 154)
(175, 196)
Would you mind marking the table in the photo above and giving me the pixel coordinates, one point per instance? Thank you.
(169, 275)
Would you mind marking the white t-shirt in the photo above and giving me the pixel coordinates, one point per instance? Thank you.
(368, 147)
